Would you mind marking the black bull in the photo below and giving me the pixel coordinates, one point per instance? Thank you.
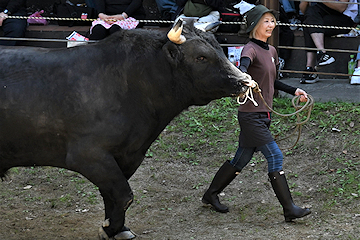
(96, 109)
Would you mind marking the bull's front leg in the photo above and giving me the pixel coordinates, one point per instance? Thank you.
(102, 170)
(115, 217)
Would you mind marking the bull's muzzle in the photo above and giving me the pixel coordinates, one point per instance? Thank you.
(174, 34)
(247, 80)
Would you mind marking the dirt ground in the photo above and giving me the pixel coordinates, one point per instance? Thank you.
(51, 203)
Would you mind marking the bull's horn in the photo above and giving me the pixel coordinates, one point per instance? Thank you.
(175, 33)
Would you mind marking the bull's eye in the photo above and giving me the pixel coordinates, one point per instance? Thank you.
(200, 59)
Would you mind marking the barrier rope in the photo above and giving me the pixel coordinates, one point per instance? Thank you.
(81, 19)
(307, 108)
(167, 21)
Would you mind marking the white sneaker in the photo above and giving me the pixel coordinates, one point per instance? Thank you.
(355, 79)
(324, 58)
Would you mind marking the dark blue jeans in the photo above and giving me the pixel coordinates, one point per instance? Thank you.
(270, 150)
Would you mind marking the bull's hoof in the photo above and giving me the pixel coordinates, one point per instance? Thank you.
(124, 235)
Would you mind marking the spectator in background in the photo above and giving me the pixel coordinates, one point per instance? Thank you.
(14, 28)
(289, 7)
(207, 12)
(324, 14)
(286, 38)
(111, 14)
(356, 79)
(168, 9)
(292, 12)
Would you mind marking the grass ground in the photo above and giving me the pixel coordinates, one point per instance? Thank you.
(322, 170)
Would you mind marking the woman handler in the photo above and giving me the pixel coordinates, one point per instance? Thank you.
(260, 60)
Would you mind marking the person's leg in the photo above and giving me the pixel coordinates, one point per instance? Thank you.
(339, 20)
(273, 155)
(98, 32)
(314, 38)
(292, 4)
(282, 191)
(14, 28)
(242, 157)
(168, 8)
(224, 176)
(318, 39)
(317, 15)
(313, 16)
(311, 59)
(322, 57)
(278, 181)
(165, 5)
(335, 19)
(309, 43)
(173, 11)
(288, 6)
(114, 28)
(310, 77)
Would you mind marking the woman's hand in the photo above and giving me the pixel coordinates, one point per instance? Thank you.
(302, 94)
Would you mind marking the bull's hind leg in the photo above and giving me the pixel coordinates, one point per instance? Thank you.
(102, 170)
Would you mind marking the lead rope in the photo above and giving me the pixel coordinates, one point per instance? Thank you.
(247, 97)
(308, 106)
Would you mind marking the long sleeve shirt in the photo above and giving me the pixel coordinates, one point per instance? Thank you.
(262, 66)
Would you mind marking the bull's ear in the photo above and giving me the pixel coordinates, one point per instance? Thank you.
(172, 52)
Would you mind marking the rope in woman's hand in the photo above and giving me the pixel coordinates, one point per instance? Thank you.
(308, 106)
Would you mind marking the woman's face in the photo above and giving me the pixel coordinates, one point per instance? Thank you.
(265, 27)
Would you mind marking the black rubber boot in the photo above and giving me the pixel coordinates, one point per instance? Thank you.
(222, 178)
(282, 191)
